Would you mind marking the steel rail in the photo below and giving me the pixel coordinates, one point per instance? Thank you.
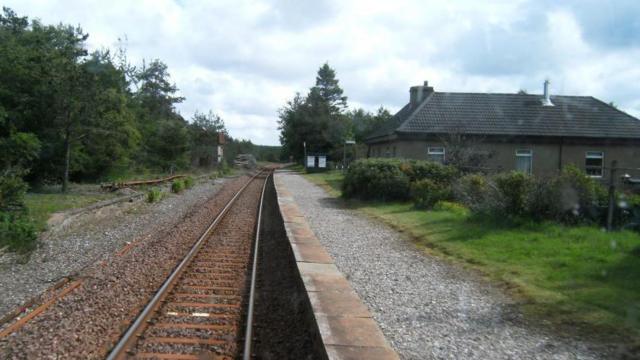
(249, 329)
(119, 351)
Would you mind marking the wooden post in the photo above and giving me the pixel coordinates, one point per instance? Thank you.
(612, 194)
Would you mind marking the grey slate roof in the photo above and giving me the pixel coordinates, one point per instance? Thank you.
(512, 115)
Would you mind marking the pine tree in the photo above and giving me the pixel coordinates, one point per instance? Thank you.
(329, 90)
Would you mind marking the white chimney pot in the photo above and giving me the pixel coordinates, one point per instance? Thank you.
(547, 97)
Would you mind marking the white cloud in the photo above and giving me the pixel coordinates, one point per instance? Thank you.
(244, 59)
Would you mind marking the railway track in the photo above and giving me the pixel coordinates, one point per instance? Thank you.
(200, 309)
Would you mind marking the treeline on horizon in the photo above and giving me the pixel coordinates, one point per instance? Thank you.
(68, 114)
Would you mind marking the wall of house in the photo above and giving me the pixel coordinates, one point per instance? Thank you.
(502, 156)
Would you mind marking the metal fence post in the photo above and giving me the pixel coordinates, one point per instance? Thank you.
(612, 194)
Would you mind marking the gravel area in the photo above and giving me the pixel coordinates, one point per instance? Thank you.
(426, 307)
(88, 321)
(87, 238)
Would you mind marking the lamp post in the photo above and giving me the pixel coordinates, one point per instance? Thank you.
(304, 160)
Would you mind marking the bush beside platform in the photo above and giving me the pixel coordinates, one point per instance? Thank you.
(570, 275)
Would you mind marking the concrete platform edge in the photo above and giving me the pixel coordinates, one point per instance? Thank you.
(347, 329)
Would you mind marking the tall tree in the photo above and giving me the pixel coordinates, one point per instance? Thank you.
(164, 131)
(203, 135)
(329, 89)
(317, 119)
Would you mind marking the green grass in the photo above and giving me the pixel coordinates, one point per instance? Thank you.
(579, 277)
(41, 206)
(330, 181)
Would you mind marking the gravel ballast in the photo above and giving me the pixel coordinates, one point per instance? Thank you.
(87, 322)
(427, 308)
(87, 238)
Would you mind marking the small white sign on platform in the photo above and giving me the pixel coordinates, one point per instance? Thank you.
(322, 162)
(311, 161)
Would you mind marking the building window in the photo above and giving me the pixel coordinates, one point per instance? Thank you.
(394, 151)
(435, 154)
(524, 160)
(594, 163)
(387, 153)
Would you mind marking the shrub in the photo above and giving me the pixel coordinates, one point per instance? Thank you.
(474, 191)
(453, 207)
(628, 211)
(514, 190)
(12, 190)
(376, 179)
(580, 197)
(419, 170)
(17, 232)
(188, 182)
(426, 193)
(542, 200)
(177, 186)
(154, 195)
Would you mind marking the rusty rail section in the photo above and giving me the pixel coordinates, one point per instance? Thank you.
(120, 185)
(198, 309)
(66, 287)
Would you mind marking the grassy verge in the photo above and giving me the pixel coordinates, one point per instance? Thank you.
(330, 181)
(580, 277)
(41, 206)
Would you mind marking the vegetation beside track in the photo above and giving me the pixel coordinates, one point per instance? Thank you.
(579, 276)
(41, 205)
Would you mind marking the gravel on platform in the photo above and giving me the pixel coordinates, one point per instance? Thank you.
(427, 308)
(88, 238)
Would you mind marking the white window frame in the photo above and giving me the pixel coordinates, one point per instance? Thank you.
(525, 153)
(591, 154)
(436, 151)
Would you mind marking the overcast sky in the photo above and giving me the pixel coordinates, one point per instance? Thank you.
(245, 59)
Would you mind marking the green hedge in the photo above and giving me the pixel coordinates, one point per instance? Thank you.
(379, 179)
(426, 193)
(571, 197)
(396, 179)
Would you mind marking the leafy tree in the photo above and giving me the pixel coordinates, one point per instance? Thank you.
(317, 119)
(365, 122)
(164, 132)
(203, 135)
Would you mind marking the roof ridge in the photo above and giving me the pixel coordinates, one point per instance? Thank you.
(500, 93)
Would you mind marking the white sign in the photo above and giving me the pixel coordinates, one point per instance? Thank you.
(220, 153)
(322, 161)
(311, 161)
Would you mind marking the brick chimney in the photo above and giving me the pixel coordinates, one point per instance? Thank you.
(418, 93)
